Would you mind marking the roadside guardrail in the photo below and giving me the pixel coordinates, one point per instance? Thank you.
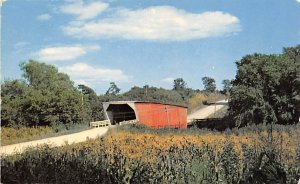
(134, 121)
(100, 123)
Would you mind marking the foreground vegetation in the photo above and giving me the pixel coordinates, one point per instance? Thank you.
(141, 155)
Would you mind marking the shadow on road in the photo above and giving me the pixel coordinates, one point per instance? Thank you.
(219, 124)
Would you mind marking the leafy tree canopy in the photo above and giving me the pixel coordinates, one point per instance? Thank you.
(154, 94)
(209, 84)
(48, 97)
(266, 88)
(179, 84)
(226, 86)
(45, 77)
(113, 89)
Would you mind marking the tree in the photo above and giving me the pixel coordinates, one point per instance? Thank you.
(13, 102)
(154, 94)
(45, 77)
(47, 97)
(226, 86)
(181, 87)
(86, 90)
(265, 89)
(179, 84)
(113, 89)
(209, 84)
(92, 103)
(293, 54)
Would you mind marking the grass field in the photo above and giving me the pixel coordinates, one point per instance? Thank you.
(17, 135)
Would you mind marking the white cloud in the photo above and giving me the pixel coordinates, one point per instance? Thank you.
(84, 11)
(298, 1)
(20, 45)
(64, 53)
(168, 79)
(44, 17)
(164, 23)
(83, 73)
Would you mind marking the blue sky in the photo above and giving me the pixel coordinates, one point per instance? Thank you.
(135, 42)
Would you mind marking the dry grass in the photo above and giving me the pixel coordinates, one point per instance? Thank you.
(17, 135)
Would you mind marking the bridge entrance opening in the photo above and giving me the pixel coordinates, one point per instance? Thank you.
(120, 112)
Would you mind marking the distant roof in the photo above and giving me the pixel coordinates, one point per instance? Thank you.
(125, 102)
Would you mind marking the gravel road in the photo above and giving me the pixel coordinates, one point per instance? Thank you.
(206, 111)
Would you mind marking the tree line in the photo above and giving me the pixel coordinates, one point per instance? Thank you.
(47, 97)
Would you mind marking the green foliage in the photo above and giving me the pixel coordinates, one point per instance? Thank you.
(48, 97)
(91, 103)
(266, 89)
(267, 171)
(249, 106)
(154, 94)
(45, 77)
(13, 100)
(293, 54)
(179, 84)
(227, 85)
(230, 162)
(113, 89)
(209, 84)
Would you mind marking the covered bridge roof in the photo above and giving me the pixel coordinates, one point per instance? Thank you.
(132, 101)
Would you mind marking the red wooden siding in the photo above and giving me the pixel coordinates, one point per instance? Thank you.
(161, 115)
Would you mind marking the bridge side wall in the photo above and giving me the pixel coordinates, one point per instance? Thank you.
(161, 115)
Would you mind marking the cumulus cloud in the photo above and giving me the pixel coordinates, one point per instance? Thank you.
(84, 11)
(168, 79)
(44, 17)
(164, 23)
(83, 73)
(64, 53)
(298, 1)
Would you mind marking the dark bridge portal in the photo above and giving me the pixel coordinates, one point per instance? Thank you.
(120, 112)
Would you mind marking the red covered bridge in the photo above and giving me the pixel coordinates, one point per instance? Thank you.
(154, 115)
